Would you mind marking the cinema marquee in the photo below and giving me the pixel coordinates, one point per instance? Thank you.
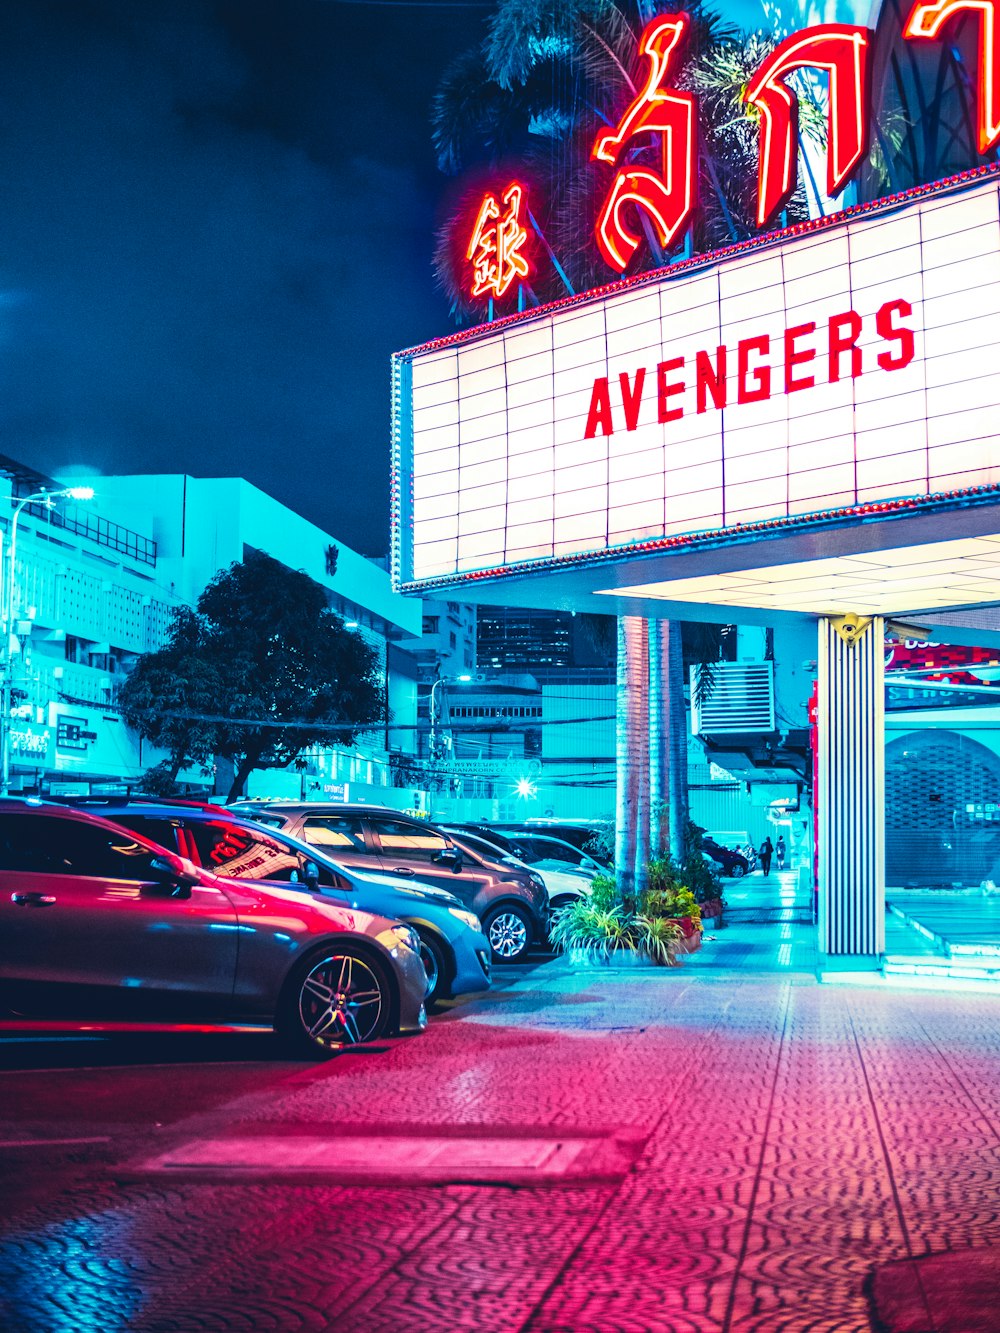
(801, 425)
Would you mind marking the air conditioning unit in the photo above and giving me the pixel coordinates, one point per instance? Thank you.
(738, 698)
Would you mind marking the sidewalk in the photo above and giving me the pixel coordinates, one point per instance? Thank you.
(753, 1152)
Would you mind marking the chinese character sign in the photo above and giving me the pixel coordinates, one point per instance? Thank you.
(498, 239)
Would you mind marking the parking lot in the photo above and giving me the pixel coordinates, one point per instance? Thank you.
(706, 1148)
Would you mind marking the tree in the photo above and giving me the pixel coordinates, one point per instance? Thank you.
(278, 673)
(548, 76)
(166, 697)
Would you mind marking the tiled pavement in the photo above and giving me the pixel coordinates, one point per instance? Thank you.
(794, 1138)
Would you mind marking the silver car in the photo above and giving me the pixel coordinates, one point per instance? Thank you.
(455, 951)
(97, 922)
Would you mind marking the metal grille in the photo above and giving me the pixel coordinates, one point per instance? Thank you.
(740, 698)
(942, 810)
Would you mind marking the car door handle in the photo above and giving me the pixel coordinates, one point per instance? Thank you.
(32, 899)
(403, 870)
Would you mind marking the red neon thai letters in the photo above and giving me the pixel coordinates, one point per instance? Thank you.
(925, 24)
(667, 198)
(842, 50)
(495, 247)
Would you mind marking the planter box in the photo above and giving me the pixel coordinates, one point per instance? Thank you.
(689, 943)
(627, 958)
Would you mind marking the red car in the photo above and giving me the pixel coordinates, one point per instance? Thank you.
(97, 922)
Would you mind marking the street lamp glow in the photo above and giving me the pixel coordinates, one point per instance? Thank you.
(526, 788)
(441, 680)
(77, 492)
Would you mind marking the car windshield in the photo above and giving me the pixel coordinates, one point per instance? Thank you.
(242, 850)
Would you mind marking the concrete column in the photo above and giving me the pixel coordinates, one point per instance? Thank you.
(850, 800)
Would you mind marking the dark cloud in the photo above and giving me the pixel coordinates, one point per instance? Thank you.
(214, 228)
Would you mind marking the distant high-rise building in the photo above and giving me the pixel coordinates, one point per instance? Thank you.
(512, 639)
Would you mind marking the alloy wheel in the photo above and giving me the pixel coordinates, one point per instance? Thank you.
(507, 934)
(342, 1001)
(431, 966)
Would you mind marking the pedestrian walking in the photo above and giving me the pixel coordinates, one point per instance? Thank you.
(765, 854)
(779, 851)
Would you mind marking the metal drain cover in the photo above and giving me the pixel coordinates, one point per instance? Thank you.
(424, 1157)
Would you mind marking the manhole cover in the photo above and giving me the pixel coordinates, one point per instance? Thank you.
(430, 1157)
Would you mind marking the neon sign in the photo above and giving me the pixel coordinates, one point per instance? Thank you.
(841, 50)
(497, 240)
(668, 199)
(925, 23)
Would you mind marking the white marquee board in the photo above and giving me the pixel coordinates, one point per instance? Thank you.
(495, 464)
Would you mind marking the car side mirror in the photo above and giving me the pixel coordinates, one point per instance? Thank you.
(449, 856)
(310, 875)
(173, 875)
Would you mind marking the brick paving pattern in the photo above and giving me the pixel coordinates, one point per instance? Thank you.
(794, 1137)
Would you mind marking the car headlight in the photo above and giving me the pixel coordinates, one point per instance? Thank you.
(408, 936)
(467, 918)
(536, 879)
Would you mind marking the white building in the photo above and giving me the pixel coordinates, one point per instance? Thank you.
(95, 585)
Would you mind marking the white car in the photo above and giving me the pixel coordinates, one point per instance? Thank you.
(562, 884)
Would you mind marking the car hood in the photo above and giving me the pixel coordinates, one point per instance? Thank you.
(558, 881)
(416, 889)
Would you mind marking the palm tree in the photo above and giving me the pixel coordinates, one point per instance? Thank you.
(549, 74)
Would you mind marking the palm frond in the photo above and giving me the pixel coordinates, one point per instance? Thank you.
(523, 32)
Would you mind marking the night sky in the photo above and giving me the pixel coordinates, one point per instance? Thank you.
(215, 226)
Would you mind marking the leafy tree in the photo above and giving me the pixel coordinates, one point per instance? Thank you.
(166, 697)
(278, 673)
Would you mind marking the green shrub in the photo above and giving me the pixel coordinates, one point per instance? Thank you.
(604, 892)
(602, 932)
(659, 938)
(678, 901)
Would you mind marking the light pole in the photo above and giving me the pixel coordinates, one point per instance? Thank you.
(7, 682)
(441, 680)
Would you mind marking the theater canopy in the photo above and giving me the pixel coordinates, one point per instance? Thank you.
(804, 423)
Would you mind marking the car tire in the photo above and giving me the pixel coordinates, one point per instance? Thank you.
(737, 870)
(508, 929)
(338, 996)
(432, 955)
(566, 900)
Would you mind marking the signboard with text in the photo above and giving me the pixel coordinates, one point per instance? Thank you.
(855, 361)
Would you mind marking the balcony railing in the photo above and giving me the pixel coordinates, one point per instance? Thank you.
(96, 529)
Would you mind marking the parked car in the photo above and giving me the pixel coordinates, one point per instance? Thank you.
(580, 835)
(733, 863)
(454, 948)
(511, 901)
(98, 922)
(737, 840)
(561, 884)
(542, 852)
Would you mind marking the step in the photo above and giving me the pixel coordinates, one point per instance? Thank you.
(930, 967)
(986, 951)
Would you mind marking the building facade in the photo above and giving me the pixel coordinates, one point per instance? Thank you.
(95, 586)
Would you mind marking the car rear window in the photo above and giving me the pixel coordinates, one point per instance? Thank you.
(343, 833)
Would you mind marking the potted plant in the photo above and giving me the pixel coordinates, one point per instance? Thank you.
(605, 929)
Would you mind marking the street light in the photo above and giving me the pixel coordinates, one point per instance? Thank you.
(7, 682)
(441, 680)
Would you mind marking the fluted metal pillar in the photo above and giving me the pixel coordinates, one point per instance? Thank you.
(850, 800)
